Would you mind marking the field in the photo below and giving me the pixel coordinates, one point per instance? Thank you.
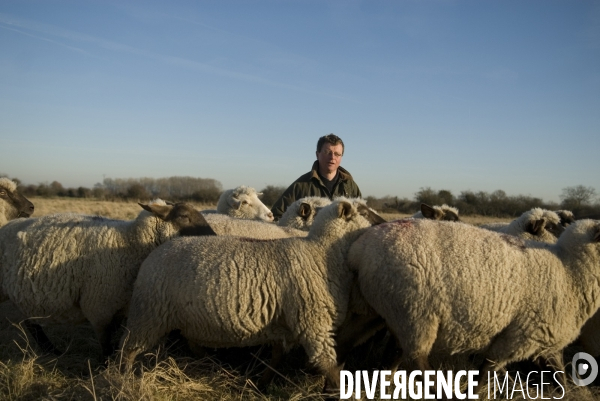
(169, 372)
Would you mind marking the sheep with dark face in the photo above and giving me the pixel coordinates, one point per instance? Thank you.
(566, 219)
(12, 204)
(69, 268)
(534, 224)
(444, 212)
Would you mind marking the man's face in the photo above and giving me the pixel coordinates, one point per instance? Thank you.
(330, 157)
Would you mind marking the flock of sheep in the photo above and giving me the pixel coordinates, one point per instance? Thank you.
(326, 277)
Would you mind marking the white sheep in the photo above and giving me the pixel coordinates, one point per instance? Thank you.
(226, 225)
(536, 224)
(301, 213)
(68, 268)
(237, 292)
(443, 212)
(12, 204)
(446, 288)
(243, 203)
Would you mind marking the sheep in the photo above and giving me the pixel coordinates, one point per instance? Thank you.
(68, 268)
(535, 224)
(454, 288)
(301, 213)
(443, 212)
(238, 292)
(566, 218)
(12, 204)
(226, 225)
(242, 203)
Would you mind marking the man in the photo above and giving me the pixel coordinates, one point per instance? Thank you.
(326, 179)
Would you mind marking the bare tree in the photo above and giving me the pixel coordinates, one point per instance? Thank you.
(271, 193)
(577, 196)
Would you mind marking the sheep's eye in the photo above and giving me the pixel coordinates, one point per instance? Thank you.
(2, 193)
(244, 202)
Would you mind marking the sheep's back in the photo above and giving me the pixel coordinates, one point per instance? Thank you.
(226, 225)
(473, 281)
(49, 262)
(229, 291)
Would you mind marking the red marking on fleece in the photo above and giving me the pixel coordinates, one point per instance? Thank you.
(402, 223)
(246, 239)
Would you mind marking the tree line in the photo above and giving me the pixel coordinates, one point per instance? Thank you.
(206, 190)
(582, 200)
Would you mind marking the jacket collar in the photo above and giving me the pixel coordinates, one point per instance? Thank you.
(344, 174)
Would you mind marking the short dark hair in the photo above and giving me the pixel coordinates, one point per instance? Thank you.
(332, 140)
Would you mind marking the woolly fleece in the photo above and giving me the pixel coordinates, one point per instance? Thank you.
(450, 288)
(66, 268)
(301, 214)
(235, 292)
(226, 225)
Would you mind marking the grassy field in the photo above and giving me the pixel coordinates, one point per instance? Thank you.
(128, 210)
(169, 372)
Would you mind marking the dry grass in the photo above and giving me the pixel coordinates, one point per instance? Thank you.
(115, 210)
(170, 375)
(162, 374)
(474, 219)
(128, 210)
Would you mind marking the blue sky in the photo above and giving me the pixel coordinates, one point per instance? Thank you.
(457, 95)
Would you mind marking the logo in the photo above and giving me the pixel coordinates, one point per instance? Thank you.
(584, 369)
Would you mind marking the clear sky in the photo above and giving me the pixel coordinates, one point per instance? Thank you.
(457, 95)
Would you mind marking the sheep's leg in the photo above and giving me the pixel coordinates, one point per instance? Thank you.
(414, 339)
(105, 327)
(198, 350)
(267, 375)
(319, 344)
(40, 337)
(392, 354)
(411, 343)
(105, 334)
(356, 330)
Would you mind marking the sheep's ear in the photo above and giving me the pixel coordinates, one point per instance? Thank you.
(235, 203)
(370, 215)
(344, 210)
(169, 203)
(259, 194)
(161, 211)
(428, 212)
(304, 210)
(451, 216)
(535, 227)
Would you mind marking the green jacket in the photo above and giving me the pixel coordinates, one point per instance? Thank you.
(310, 184)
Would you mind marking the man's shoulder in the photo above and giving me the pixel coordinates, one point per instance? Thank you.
(307, 177)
